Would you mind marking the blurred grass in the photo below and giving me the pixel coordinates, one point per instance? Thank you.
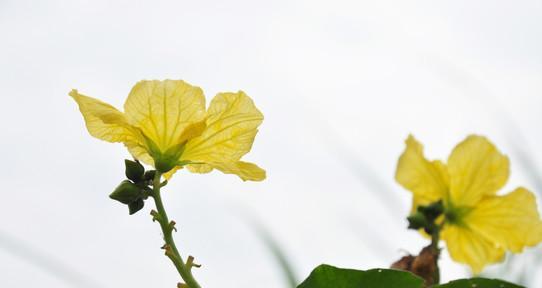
(272, 245)
(370, 178)
(280, 256)
(365, 173)
(46, 263)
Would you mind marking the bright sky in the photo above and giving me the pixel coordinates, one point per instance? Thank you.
(341, 84)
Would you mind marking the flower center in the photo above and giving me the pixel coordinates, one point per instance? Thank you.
(455, 215)
(164, 160)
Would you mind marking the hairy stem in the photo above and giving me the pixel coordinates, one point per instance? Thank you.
(184, 269)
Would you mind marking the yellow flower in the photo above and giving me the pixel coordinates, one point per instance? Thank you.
(479, 225)
(165, 125)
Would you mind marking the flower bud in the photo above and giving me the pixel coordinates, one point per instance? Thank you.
(149, 175)
(134, 170)
(432, 211)
(127, 192)
(417, 221)
(136, 206)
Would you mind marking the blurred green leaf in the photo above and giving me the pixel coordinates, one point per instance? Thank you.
(326, 276)
(478, 283)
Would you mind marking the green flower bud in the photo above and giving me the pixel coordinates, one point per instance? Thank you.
(432, 211)
(127, 192)
(136, 206)
(149, 175)
(134, 170)
(417, 221)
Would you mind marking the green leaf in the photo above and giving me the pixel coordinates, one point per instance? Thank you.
(326, 276)
(478, 283)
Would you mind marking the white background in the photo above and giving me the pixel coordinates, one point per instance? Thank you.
(341, 85)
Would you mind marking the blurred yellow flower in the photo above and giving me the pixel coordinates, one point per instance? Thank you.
(479, 225)
(165, 125)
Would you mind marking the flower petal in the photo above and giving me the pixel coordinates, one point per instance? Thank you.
(170, 173)
(164, 109)
(232, 122)
(426, 180)
(199, 168)
(245, 170)
(477, 169)
(104, 121)
(139, 152)
(467, 246)
(512, 221)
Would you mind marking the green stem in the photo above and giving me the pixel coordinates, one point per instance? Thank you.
(435, 237)
(184, 269)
